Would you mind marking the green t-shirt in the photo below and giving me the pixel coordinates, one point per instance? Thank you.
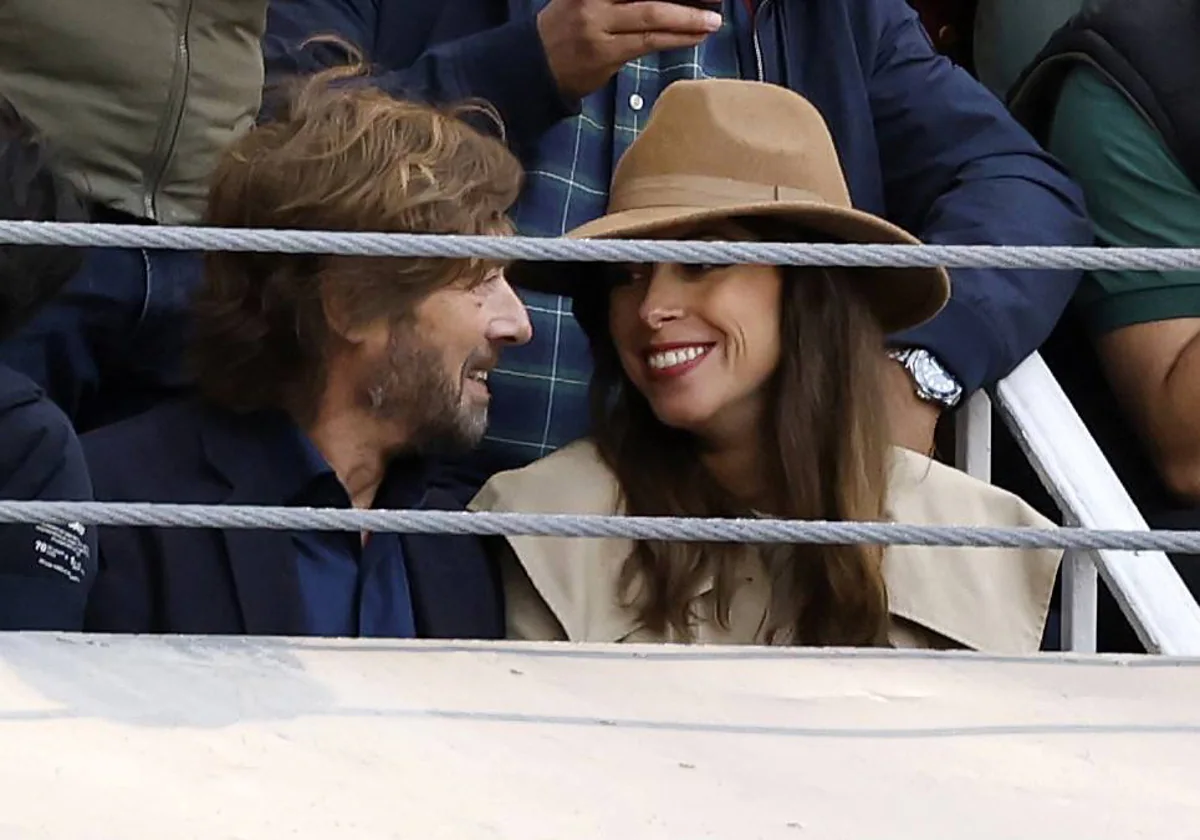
(1137, 195)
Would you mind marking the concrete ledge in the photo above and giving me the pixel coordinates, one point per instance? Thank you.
(178, 737)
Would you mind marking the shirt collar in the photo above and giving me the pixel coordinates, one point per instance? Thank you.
(304, 477)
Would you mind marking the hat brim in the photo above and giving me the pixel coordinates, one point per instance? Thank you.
(901, 298)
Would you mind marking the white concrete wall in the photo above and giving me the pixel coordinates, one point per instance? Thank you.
(112, 737)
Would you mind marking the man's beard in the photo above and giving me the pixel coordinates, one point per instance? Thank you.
(410, 387)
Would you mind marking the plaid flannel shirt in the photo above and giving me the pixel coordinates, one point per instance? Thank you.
(540, 390)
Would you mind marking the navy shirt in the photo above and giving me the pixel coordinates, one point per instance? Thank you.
(46, 571)
(349, 589)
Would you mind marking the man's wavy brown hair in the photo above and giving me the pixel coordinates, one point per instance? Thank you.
(339, 154)
(824, 436)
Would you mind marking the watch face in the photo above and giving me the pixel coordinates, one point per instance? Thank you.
(932, 377)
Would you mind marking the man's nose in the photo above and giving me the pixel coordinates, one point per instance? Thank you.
(509, 322)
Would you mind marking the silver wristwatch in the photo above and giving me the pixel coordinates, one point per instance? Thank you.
(933, 382)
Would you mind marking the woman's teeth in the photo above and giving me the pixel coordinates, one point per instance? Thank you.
(678, 356)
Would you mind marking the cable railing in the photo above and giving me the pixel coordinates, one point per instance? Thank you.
(1105, 536)
(562, 249)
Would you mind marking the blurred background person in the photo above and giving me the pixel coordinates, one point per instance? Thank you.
(140, 97)
(46, 571)
(1115, 95)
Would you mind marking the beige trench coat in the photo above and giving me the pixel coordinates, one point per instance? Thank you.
(993, 600)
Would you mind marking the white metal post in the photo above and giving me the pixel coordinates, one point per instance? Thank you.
(973, 437)
(1082, 482)
(1080, 594)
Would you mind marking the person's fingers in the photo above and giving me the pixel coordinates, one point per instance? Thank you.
(715, 5)
(637, 44)
(703, 4)
(641, 16)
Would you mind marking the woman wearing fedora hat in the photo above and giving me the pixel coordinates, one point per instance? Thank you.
(752, 391)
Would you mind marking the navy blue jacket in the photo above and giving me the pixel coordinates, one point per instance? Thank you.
(163, 580)
(45, 570)
(923, 144)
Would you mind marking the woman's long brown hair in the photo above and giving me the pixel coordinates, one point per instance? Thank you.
(825, 438)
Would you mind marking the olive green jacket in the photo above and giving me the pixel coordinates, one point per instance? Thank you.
(137, 97)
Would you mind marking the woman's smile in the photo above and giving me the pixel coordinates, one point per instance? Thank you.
(671, 360)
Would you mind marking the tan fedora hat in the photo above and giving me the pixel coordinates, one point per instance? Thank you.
(721, 148)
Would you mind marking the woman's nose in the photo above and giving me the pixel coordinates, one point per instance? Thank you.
(664, 299)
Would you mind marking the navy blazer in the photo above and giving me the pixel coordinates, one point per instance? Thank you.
(208, 581)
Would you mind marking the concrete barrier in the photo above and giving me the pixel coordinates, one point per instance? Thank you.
(172, 738)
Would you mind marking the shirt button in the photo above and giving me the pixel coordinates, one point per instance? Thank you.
(636, 102)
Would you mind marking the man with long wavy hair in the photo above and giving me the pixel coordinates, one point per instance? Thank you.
(325, 382)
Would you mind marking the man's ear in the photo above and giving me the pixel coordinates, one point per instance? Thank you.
(343, 317)
(345, 322)
(337, 313)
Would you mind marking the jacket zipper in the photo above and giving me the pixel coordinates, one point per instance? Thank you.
(168, 135)
(758, 54)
